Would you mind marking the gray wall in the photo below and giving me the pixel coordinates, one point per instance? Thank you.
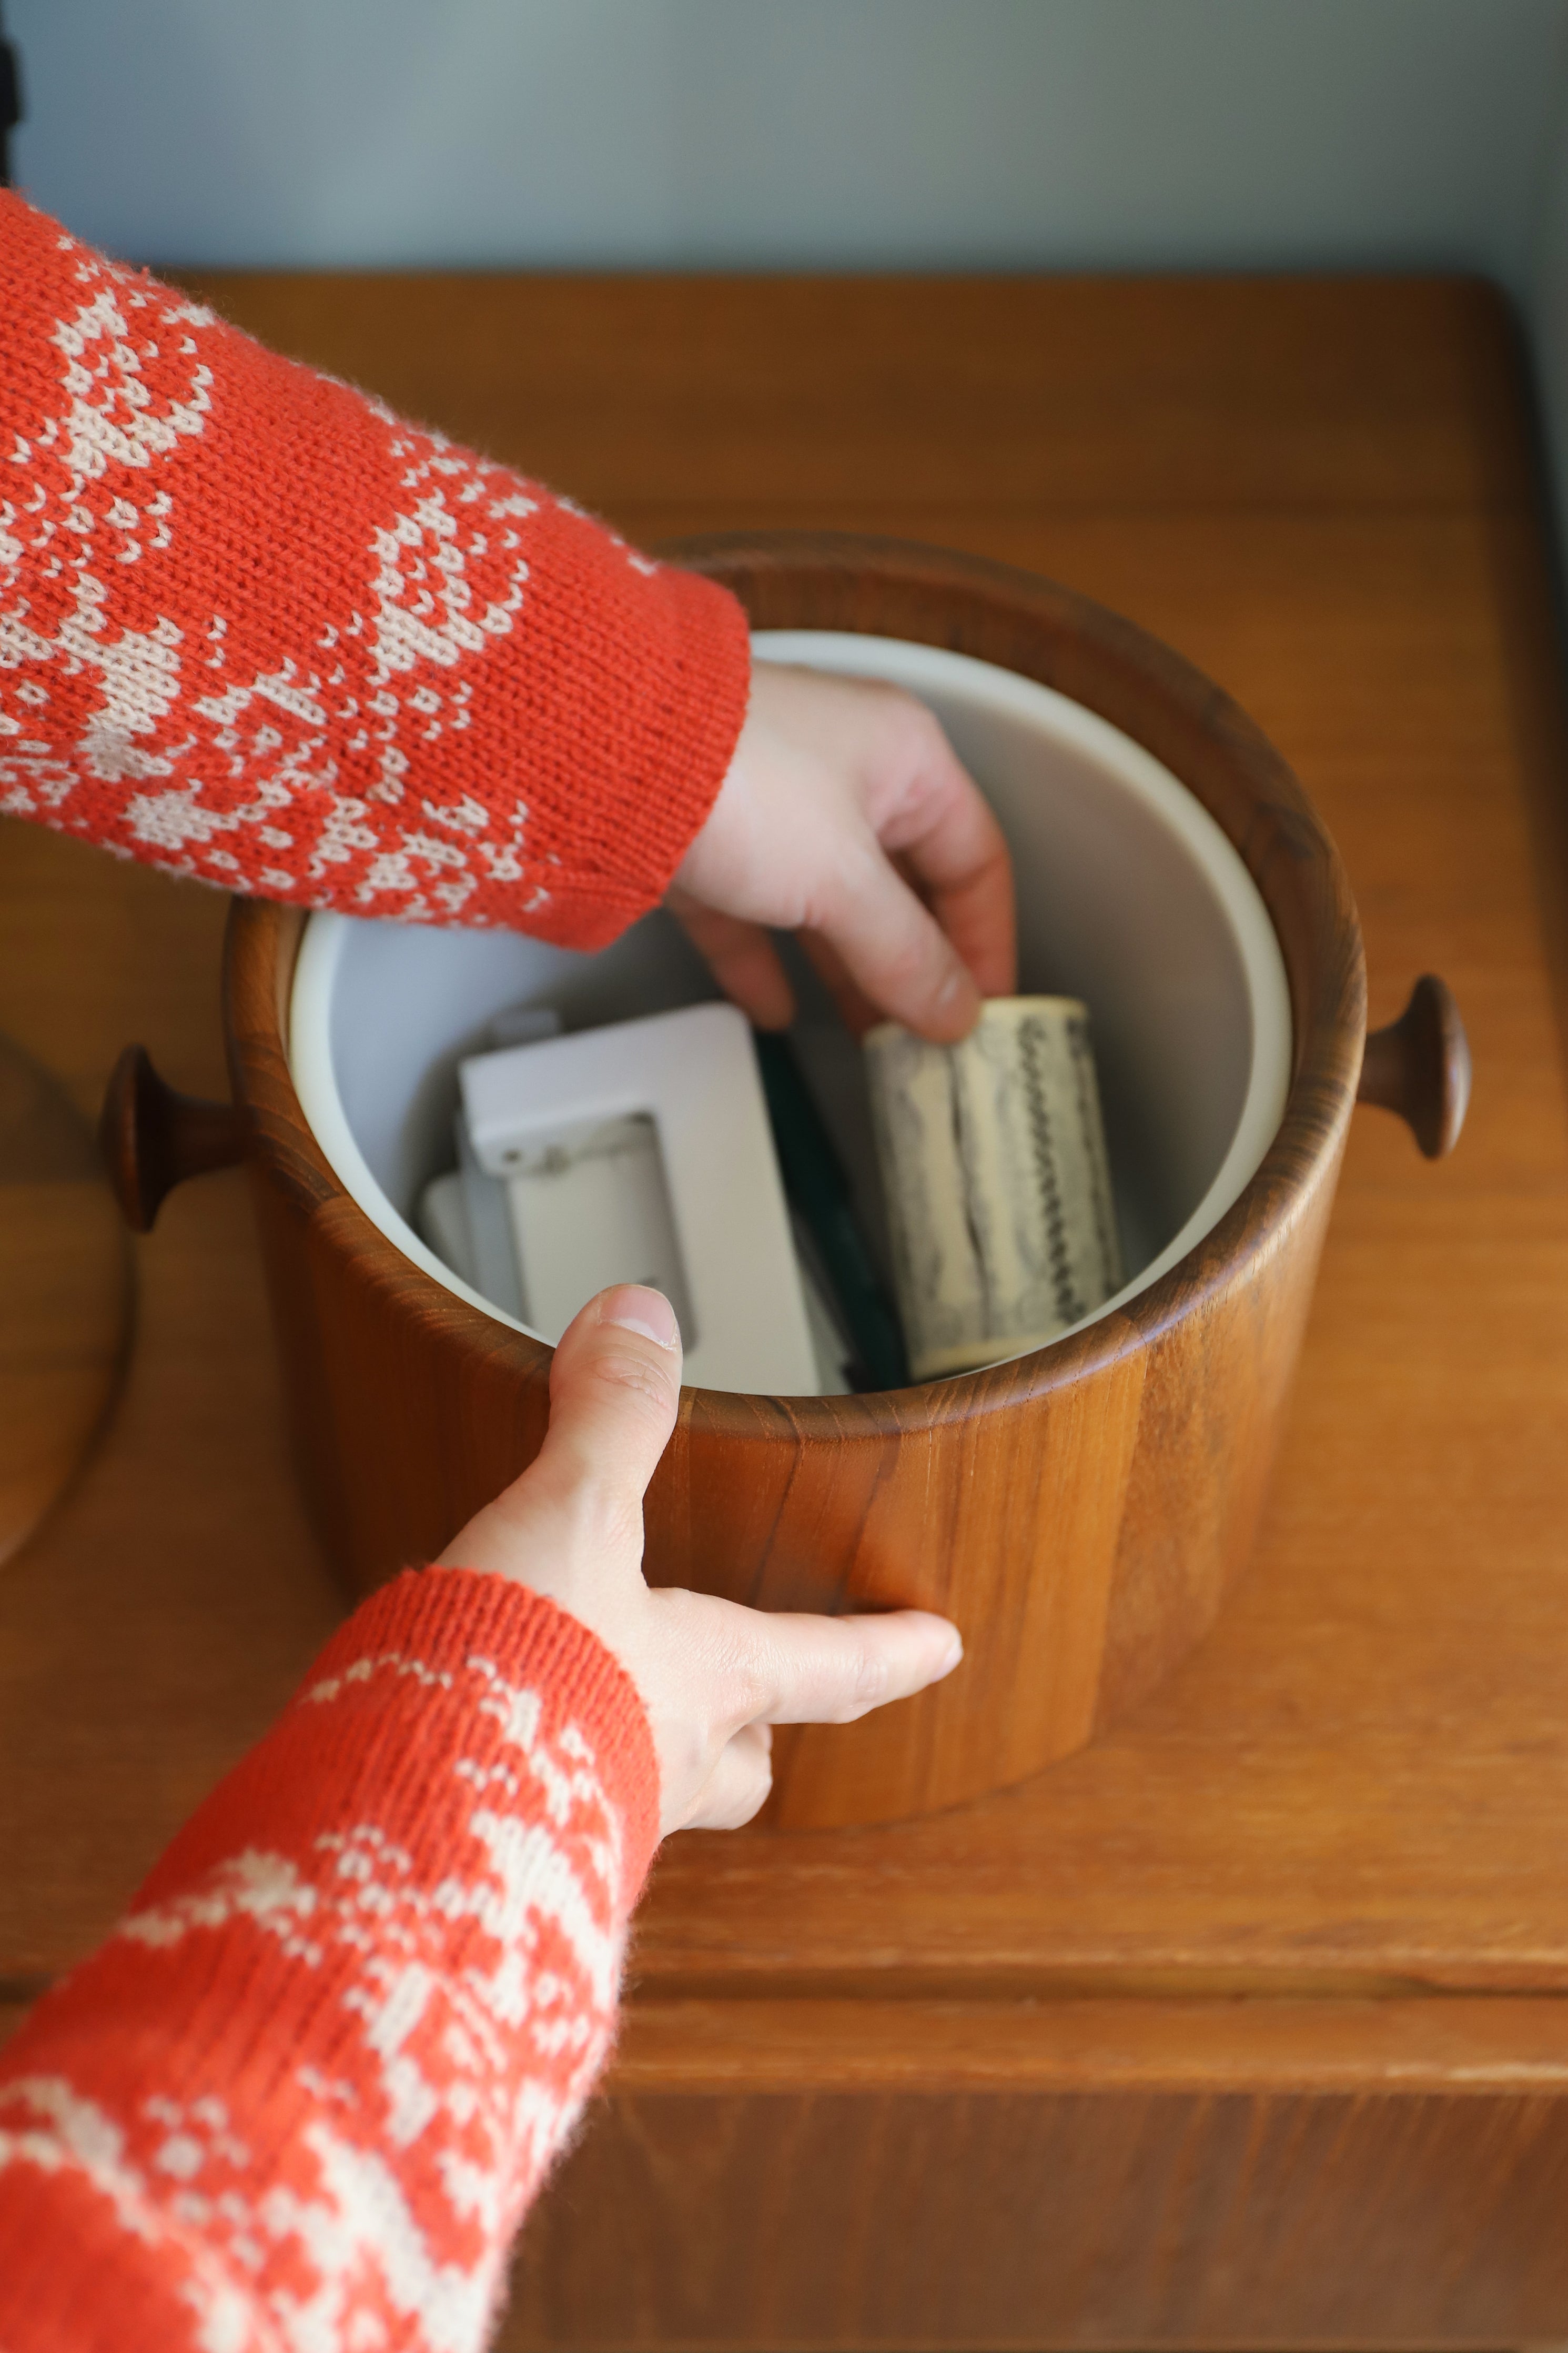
(781, 133)
(904, 133)
(1545, 303)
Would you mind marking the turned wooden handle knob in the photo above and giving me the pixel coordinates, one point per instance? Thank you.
(1420, 1067)
(152, 1138)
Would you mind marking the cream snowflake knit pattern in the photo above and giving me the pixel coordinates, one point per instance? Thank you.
(299, 2100)
(256, 629)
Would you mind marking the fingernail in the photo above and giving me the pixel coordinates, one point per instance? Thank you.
(952, 1656)
(958, 991)
(637, 1309)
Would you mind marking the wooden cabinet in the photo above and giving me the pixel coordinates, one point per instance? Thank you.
(1248, 2025)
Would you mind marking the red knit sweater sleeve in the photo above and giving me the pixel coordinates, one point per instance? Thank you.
(255, 628)
(297, 2102)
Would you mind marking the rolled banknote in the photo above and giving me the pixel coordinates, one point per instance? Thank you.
(997, 1186)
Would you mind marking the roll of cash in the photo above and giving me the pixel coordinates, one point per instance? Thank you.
(997, 1186)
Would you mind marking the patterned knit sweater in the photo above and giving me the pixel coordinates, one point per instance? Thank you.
(255, 629)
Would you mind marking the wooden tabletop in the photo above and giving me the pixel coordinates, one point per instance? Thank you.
(1353, 1796)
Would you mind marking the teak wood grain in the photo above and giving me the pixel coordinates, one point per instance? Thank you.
(65, 1281)
(1246, 2026)
(1078, 1512)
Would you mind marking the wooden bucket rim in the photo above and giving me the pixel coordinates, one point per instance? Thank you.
(1021, 621)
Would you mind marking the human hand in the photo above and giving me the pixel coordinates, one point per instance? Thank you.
(833, 780)
(713, 1677)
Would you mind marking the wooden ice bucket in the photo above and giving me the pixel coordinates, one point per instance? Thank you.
(1078, 1511)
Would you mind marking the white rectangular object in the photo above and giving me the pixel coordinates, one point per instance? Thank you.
(641, 1152)
(591, 1206)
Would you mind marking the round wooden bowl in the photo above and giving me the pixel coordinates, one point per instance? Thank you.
(1079, 1511)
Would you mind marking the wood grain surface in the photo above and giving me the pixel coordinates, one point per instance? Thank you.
(1078, 1513)
(65, 1295)
(1297, 1933)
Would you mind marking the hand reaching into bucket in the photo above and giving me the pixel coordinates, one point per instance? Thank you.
(713, 1677)
(846, 816)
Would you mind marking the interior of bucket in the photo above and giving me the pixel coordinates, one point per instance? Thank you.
(1128, 896)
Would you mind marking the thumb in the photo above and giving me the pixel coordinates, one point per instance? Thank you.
(614, 1386)
(615, 1389)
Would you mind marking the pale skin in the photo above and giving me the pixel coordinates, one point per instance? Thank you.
(832, 781)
